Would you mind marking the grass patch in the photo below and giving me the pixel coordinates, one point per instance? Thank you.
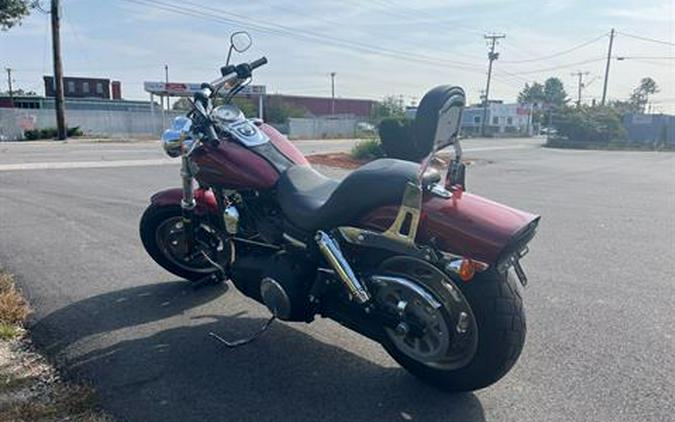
(13, 307)
(368, 149)
(30, 388)
(65, 402)
(8, 331)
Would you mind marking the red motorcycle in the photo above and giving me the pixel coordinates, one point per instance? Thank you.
(393, 252)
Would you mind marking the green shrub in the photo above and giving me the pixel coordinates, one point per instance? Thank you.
(598, 125)
(75, 131)
(368, 149)
(50, 133)
(396, 135)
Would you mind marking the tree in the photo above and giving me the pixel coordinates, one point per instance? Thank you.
(390, 107)
(640, 96)
(19, 93)
(182, 104)
(551, 93)
(532, 94)
(279, 111)
(245, 105)
(13, 11)
(554, 92)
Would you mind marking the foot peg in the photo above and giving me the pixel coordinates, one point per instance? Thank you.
(241, 342)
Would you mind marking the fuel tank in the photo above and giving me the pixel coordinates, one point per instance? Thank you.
(231, 165)
(465, 224)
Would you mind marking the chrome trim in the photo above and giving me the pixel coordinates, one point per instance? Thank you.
(331, 251)
(253, 242)
(439, 190)
(404, 282)
(295, 242)
(410, 210)
(231, 219)
(247, 133)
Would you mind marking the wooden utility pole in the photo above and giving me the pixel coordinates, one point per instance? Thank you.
(332, 93)
(609, 59)
(58, 71)
(492, 56)
(580, 85)
(9, 85)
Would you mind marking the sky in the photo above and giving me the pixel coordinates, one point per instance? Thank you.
(376, 48)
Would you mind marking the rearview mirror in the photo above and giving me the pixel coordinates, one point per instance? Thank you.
(240, 41)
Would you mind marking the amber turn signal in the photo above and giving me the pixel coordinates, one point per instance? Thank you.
(466, 270)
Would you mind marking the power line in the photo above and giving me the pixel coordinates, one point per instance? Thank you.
(548, 69)
(639, 37)
(289, 32)
(560, 53)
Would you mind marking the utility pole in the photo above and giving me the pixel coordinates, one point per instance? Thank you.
(332, 93)
(166, 79)
(580, 85)
(609, 59)
(9, 84)
(58, 71)
(492, 56)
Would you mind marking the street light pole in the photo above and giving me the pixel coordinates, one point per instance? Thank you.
(332, 93)
(166, 79)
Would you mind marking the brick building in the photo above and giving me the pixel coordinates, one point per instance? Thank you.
(322, 106)
(85, 88)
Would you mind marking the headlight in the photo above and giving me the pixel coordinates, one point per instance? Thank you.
(172, 139)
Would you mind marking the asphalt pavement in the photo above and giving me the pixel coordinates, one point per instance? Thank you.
(600, 302)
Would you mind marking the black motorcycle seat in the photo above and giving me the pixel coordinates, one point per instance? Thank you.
(311, 201)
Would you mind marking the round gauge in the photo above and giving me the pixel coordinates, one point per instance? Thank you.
(228, 113)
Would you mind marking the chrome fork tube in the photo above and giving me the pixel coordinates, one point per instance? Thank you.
(187, 203)
(331, 251)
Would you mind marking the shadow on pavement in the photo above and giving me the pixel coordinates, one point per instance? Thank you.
(162, 365)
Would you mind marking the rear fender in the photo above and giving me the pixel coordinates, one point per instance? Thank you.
(205, 200)
(465, 224)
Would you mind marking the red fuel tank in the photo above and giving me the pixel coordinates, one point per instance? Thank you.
(231, 165)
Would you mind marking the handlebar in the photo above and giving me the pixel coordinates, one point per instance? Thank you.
(202, 98)
(260, 62)
(241, 71)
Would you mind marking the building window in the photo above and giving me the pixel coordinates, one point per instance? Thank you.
(509, 121)
(99, 87)
(71, 87)
(495, 120)
(476, 119)
(85, 87)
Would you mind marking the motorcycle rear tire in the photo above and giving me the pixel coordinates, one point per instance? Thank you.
(498, 307)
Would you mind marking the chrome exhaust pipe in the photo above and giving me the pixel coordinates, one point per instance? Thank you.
(331, 251)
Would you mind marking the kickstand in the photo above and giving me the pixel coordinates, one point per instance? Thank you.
(214, 278)
(244, 341)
